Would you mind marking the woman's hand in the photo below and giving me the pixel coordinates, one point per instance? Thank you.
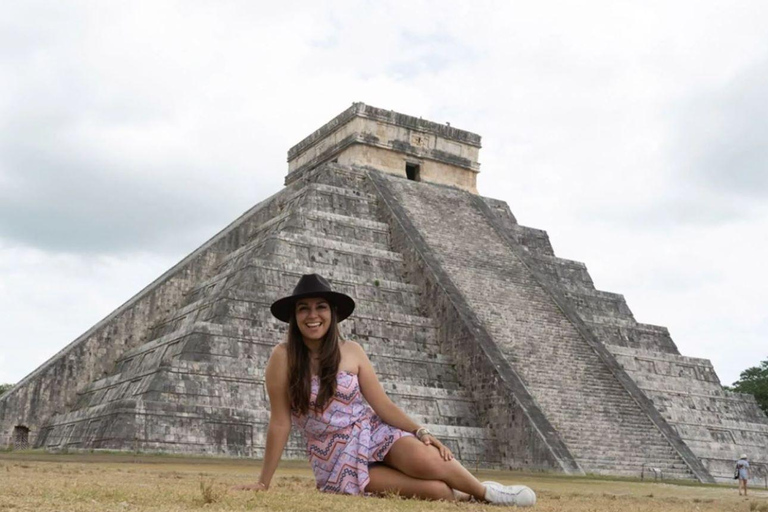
(258, 486)
(430, 440)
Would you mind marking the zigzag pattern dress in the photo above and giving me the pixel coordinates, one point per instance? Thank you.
(345, 438)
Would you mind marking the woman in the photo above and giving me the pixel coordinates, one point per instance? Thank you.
(318, 380)
(742, 468)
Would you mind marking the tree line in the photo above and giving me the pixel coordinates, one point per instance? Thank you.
(755, 382)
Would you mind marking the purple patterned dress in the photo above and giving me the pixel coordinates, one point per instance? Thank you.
(345, 438)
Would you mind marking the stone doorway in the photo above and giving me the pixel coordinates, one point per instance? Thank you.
(20, 437)
(412, 172)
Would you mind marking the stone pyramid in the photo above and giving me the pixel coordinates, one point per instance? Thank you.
(475, 328)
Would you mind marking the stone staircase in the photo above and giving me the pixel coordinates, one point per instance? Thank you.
(601, 424)
(717, 425)
(198, 384)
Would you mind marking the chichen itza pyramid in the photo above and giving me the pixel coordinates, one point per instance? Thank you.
(506, 351)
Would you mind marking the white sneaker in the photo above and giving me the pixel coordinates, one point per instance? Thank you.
(519, 495)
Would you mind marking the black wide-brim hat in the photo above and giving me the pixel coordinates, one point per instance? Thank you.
(313, 285)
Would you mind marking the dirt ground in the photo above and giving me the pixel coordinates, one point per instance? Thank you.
(32, 481)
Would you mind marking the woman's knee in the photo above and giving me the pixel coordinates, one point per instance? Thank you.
(430, 466)
(420, 461)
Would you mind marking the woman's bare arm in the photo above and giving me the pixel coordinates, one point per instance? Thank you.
(383, 406)
(279, 428)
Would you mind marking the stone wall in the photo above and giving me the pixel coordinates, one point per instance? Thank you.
(525, 438)
(198, 385)
(386, 140)
(575, 382)
(52, 388)
(716, 425)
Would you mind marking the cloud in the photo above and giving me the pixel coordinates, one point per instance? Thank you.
(49, 299)
(107, 144)
(100, 212)
(721, 135)
(429, 53)
(713, 159)
(130, 132)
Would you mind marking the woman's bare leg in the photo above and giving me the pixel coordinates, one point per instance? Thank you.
(415, 459)
(385, 479)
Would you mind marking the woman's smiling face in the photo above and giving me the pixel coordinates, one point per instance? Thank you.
(313, 316)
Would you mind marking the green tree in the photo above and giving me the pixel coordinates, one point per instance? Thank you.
(5, 387)
(755, 382)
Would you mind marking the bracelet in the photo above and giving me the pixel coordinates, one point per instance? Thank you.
(421, 432)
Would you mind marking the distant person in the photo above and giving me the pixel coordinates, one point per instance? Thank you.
(742, 468)
(324, 384)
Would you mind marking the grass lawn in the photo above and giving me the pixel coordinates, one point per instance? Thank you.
(34, 481)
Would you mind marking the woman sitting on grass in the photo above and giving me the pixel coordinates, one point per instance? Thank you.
(319, 380)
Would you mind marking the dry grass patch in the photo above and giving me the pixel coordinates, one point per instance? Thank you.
(103, 483)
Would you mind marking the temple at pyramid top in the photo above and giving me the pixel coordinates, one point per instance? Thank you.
(395, 143)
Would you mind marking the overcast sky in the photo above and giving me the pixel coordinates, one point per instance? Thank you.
(634, 133)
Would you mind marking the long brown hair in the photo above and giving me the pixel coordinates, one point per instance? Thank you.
(299, 372)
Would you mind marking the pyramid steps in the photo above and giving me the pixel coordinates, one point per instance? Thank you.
(286, 247)
(386, 326)
(503, 294)
(642, 336)
(342, 228)
(275, 277)
(209, 354)
(333, 199)
(90, 355)
(360, 254)
(715, 425)
(129, 325)
(318, 251)
(278, 275)
(531, 239)
(534, 240)
(634, 468)
(247, 357)
(425, 367)
(572, 274)
(253, 307)
(425, 348)
(419, 397)
(597, 302)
